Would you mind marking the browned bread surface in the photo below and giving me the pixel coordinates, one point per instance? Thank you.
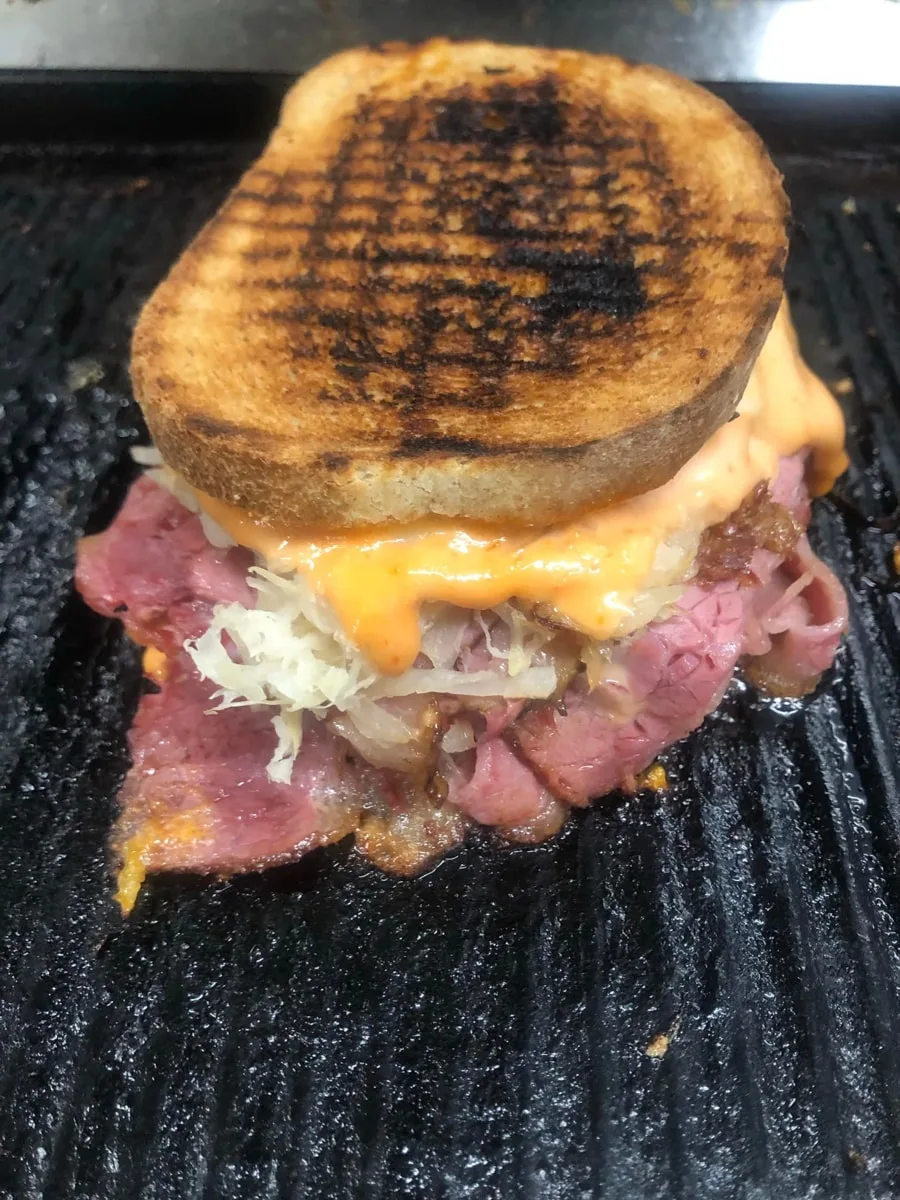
(470, 280)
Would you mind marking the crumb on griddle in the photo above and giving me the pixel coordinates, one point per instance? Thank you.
(654, 778)
(82, 373)
(658, 1047)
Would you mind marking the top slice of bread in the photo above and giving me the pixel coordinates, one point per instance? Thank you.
(467, 280)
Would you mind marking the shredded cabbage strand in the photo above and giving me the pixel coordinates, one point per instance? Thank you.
(291, 654)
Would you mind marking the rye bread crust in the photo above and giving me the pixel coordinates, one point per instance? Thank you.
(468, 280)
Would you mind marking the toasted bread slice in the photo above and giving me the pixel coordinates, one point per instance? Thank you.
(470, 280)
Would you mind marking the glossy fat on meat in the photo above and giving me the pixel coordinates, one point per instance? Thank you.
(794, 624)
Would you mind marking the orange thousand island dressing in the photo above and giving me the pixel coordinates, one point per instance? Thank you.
(590, 568)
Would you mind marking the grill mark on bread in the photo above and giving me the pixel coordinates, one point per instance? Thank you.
(500, 230)
(740, 249)
(334, 462)
(378, 251)
(608, 283)
(430, 202)
(428, 257)
(503, 118)
(568, 273)
(212, 427)
(416, 446)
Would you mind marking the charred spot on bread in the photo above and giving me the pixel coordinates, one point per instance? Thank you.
(430, 254)
(738, 249)
(335, 462)
(506, 114)
(212, 427)
(413, 445)
(491, 329)
(606, 281)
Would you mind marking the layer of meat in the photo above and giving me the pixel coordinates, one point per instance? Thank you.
(155, 570)
(198, 797)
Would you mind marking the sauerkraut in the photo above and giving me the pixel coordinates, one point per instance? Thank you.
(290, 653)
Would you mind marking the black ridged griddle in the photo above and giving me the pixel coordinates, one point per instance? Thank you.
(492, 1029)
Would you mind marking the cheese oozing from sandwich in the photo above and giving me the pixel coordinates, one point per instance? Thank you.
(594, 570)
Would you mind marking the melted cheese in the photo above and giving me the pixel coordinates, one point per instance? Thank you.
(591, 569)
(155, 664)
(139, 850)
(654, 778)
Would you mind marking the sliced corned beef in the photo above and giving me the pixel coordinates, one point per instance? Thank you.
(794, 624)
(154, 568)
(671, 676)
(209, 772)
(498, 788)
(198, 796)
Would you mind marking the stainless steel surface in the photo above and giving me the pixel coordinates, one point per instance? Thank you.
(813, 41)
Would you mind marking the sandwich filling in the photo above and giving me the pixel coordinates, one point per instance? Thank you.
(606, 574)
(400, 683)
